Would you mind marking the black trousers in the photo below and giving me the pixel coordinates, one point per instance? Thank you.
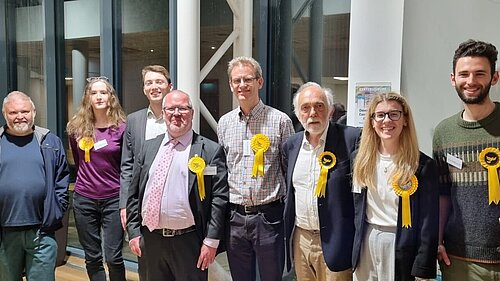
(172, 258)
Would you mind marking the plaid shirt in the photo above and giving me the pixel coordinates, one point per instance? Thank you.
(233, 129)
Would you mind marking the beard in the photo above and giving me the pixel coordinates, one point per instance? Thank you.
(484, 92)
(22, 128)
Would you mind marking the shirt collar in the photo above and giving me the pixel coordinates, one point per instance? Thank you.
(322, 139)
(256, 111)
(185, 139)
(151, 115)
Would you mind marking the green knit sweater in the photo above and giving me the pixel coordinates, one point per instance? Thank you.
(473, 227)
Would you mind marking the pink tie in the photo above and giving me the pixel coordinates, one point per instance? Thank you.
(152, 215)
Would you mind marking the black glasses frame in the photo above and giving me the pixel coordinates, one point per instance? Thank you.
(393, 115)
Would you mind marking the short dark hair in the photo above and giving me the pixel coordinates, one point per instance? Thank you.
(475, 48)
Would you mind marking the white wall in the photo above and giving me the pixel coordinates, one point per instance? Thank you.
(430, 37)
(431, 31)
(374, 46)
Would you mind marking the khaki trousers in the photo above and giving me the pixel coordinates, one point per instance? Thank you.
(309, 261)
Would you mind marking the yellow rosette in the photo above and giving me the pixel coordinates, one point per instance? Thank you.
(259, 143)
(86, 145)
(326, 160)
(196, 165)
(490, 159)
(405, 191)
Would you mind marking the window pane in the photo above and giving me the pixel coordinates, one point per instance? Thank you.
(144, 42)
(82, 30)
(216, 25)
(30, 60)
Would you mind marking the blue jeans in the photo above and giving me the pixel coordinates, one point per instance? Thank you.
(91, 217)
(29, 251)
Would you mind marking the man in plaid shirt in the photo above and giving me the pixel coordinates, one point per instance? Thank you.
(252, 136)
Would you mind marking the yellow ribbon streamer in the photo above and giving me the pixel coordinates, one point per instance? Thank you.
(259, 143)
(197, 165)
(405, 191)
(86, 145)
(326, 160)
(406, 212)
(490, 159)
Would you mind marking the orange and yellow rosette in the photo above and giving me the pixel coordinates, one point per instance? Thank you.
(326, 160)
(86, 145)
(405, 191)
(490, 159)
(197, 165)
(260, 143)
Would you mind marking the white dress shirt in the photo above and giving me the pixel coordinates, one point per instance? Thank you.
(305, 177)
(154, 126)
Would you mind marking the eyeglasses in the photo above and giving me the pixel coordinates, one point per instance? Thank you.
(181, 109)
(92, 79)
(243, 80)
(393, 115)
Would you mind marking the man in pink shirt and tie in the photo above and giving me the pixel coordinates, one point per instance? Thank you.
(177, 200)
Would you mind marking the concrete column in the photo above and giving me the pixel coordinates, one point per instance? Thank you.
(79, 73)
(188, 53)
(316, 41)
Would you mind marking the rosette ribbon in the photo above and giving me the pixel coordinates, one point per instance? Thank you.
(259, 143)
(86, 145)
(326, 160)
(197, 165)
(405, 191)
(490, 159)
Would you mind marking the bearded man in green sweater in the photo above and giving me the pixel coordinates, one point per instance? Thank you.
(466, 149)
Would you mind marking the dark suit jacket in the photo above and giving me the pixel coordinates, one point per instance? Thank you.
(416, 247)
(209, 214)
(133, 138)
(336, 211)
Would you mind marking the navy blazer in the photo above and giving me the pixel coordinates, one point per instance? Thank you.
(336, 210)
(416, 247)
(211, 213)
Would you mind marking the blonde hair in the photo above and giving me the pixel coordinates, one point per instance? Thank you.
(405, 160)
(83, 122)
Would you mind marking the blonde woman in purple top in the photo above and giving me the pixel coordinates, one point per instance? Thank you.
(95, 136)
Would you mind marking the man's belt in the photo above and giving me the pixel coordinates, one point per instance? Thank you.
(166, 232)
(252, 210)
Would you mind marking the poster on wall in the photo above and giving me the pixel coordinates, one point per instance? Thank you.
(364, 93)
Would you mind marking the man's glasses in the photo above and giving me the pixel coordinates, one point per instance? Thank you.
(394, 115)
(242, 80)
(92, 79)
(181, 109)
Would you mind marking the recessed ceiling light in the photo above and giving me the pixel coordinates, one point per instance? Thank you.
(151, 50)
(341, 78)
